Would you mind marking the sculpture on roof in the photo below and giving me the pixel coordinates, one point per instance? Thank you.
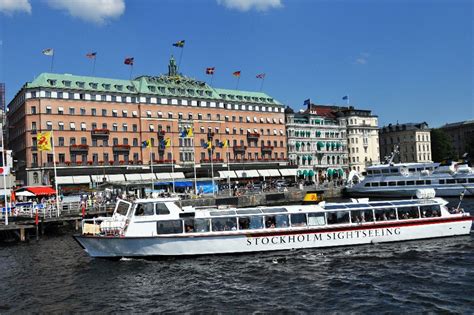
(172, 68)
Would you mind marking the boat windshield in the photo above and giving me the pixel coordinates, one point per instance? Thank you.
(122, 207)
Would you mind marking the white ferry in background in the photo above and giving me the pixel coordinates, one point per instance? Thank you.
(403, 180)
(160, 227)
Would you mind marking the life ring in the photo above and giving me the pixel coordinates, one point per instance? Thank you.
(404, 171)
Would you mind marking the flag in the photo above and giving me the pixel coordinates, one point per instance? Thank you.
(179, 44)
(236, 74)
(210, 71)
(167, 142)
(189, 132)
(307, 102)
(225, 144)
(48, 52)
(128, 61)
(146, 144)
(91, 55)
(260, 76)
(183, 133)
(209, 144)
(345, 98)
(44, 141)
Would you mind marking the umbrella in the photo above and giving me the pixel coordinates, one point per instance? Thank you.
(25, 193)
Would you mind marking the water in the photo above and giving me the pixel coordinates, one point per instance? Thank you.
(55, 275)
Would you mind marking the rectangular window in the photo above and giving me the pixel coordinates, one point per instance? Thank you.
(251, 223)
(315, 219)
(33, 110)
(94, 112)
(72, 111)
(83, 111)
(104, 112)
(169, 227)
(362, 216)
(408, 213)
(298, 219)
(338, 217)
(224, 224)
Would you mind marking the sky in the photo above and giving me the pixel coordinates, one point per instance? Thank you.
(406, 60)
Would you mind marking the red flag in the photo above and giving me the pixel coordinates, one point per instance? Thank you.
(91, 55)
(128, 61)
(210, 70)
(261, 76)
(236, 74)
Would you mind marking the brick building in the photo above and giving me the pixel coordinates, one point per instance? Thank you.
(99, 125)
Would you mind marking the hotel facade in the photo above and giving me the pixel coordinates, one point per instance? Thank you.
(99, 125)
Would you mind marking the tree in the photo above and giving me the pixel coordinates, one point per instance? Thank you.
(441, 146)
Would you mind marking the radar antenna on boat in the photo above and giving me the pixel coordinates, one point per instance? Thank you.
(389, 158)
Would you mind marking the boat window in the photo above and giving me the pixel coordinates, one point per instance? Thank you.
(419, 169)
(362, 216)
(383, 184)
(276, 221)
(202, 225)
(471, 180)
(316, 219)
(161, 208)
(298, 219)
(358, 205)
(122, 207)
(410, 183)
(144, 209)
(394, 170)
(251, 223)
(461, 180)
(392, 183)
(221, 213)
(428, 182)
(376, 171)
(450, 181)
(274, 210)
(338, 217)
(412, 170)
(385, 214)
(367, 185)
(430, 211)
(224, 224)
(441, 181)
(375, 184)
(400, 183)
(385, 171)
(169, 227)
(380, 204)
(369, 172)
(332, 207)
(420, 182)
(189, 225)
(408, 213)
(249, 211)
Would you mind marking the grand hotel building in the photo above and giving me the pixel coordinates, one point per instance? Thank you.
(99, 125)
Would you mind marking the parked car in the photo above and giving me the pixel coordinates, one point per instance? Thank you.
(280, 183)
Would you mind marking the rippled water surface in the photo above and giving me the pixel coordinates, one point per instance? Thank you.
(55, 275)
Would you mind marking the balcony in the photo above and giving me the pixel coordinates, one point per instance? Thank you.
(121, 148)
(166, 161)
(214, 160)
(253, 135)
(240, 148)
(102, 133)
(267, 148)
(79, 148)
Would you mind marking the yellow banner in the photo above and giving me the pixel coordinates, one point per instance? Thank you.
(44, 141)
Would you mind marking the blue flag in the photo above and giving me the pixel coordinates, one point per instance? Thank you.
(345, 98)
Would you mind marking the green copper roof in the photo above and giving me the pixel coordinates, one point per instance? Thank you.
(175, 85)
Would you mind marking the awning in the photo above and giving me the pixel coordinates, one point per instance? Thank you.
(274, 173)
(310, 173)
(116, 178)
(64, 180)
(225, 174)
(25, 193)
(41, 190)
(83, 179)
(133, 177)
(247, 174)
(288, 171)
(264, 173)
(177, 175)
(148, 176)
(163, 176)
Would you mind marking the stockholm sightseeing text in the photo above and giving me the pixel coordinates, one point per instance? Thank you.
(332, 236)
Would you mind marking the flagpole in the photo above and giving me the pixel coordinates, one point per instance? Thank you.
(238, 79)
(52, 62)
(228, 169)
(55, 173)
(4, 178)
(172, 163)
(194, 158)
(180, 57)
(131, 69)
(93, 65)
(261, 85)
(151, 170)
(212, 78)
(212, 170)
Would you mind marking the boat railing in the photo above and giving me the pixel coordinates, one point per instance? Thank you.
(104, 226)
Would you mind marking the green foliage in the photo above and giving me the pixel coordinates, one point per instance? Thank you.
(441, 146)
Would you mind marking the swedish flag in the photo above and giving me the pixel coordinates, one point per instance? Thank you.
(146, 144)
(179, 44)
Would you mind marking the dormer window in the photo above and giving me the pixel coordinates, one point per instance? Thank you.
(172, 90)
(80, 84)
(52, 82)
(118, 87)
(162, 89)
(130, 88)
(67, 83)
(190, 92)
(152, 88)
(106, 86)
(93, 85)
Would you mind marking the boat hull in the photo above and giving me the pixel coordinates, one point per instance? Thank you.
(274, 240)
(388, 192)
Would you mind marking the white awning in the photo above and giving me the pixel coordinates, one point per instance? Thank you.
(247, 174)
(160, 114)
(282, 132)
(249, 131)
(148, 112)
(114, 111)
(116, 178)
(163, 176)
(225, 174)
(275, 132)
(98, 178)
(177, 175)
(281, 121)
(227, 129)
(133, 177)
(264, 173)
(256, 130)
(274, 173)
(83, 179)
(288, 172)
(135, 113)
(148, 176)
(63, 180)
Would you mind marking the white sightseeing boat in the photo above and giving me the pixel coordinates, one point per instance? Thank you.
(159, 227)
(404, 179)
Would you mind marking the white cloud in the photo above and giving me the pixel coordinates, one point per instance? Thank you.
(10, 6)
(362, 59)
(97, 11)
(246, 5)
